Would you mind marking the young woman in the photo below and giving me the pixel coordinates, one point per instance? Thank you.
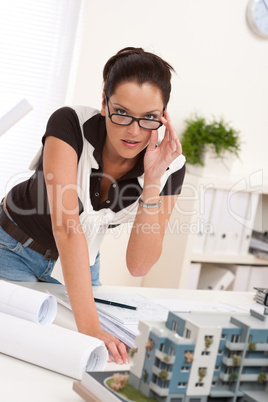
(97, 170)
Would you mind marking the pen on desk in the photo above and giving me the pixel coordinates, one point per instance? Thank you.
(111, 303)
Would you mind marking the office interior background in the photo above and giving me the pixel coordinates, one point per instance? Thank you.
(53, 53)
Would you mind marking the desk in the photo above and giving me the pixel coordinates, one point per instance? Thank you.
(24, 382)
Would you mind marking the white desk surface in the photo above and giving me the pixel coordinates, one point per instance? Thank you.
(21, 381)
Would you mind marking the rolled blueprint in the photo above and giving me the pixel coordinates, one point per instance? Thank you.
(52, 347)
(28, 304)
(14, 115)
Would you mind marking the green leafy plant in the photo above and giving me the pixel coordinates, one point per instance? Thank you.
(202, 372)
(237, 360)
(166, 358)
(145, 376)
(208, 341)
(232, 377)
(252, 346)
(163, 374)
(200, 135)
(132, 352)
(262, 378)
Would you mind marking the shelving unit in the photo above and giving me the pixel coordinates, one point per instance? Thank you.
(173, 268)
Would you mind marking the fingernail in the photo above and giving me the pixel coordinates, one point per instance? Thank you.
(119, 361)
(126, 361)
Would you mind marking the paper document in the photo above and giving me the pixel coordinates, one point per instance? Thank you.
(146, 309)
(196, 305)
(28, 304)
(121, 322)
(52, 347)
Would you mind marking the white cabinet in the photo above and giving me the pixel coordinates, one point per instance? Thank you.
(212, 223)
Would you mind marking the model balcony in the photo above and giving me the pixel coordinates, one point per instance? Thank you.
(164, 357)
(158, 390)
(224, 377)
(157, 371)
(249, 377)
(235, 345)
(228, 361)
(259, 347)
(262, 347)
(243, 377)
(255, 362)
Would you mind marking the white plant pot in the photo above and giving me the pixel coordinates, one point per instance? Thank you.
(213, 165)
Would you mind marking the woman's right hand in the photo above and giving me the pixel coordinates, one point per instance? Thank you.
(117, 349)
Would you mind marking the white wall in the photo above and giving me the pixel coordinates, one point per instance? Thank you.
(221, 71)
(221, 65)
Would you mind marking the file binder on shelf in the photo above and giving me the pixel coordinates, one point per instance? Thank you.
(249, 222)
(205, 207)
(223, 231)
(238, 207)
(242, 276)
(193, 275)
(215, 277)
(214, 220)
(258, 277)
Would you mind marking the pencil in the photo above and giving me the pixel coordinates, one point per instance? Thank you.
(111, 303)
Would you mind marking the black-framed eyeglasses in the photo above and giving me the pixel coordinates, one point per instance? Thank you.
(125, 120)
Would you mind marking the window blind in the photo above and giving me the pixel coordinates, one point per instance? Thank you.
(37, 46)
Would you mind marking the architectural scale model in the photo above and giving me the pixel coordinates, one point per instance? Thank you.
(203, 357)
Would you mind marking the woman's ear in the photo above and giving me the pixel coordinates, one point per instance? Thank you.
(103, 105)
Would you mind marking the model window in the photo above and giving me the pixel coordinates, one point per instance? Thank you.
(181, 384)
(175, 325)
(205, 353)
(187, 333)
(235, 338)
(154, 378)
(157, 362)
(162, 346)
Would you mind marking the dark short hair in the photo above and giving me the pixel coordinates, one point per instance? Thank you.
(136, 65)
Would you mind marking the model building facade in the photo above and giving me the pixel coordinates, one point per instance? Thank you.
(203, 357)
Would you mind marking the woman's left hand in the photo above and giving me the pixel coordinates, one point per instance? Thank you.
(158, 158)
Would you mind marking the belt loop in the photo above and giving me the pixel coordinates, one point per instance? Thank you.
(26, 244)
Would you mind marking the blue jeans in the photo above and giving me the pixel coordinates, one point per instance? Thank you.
(20, 263)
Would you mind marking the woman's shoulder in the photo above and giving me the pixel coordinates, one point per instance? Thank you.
(66, 123)
(72, 114)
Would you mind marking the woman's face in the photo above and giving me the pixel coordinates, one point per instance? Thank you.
(140, 101)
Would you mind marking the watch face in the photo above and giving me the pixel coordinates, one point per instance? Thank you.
(257, 15)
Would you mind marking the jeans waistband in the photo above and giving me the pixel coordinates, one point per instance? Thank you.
(14, 231)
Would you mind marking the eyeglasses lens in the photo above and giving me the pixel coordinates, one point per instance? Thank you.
(126, 120)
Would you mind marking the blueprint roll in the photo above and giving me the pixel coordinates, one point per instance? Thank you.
(14, 115)
(28, 304)
(52, 347)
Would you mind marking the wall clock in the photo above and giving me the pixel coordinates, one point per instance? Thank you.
(257, 17)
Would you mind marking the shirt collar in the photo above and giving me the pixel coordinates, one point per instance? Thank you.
(95, 133)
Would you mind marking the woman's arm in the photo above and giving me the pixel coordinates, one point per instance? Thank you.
(146, 238)
(60, 172)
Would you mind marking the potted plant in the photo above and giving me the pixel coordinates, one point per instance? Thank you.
(205, 141)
